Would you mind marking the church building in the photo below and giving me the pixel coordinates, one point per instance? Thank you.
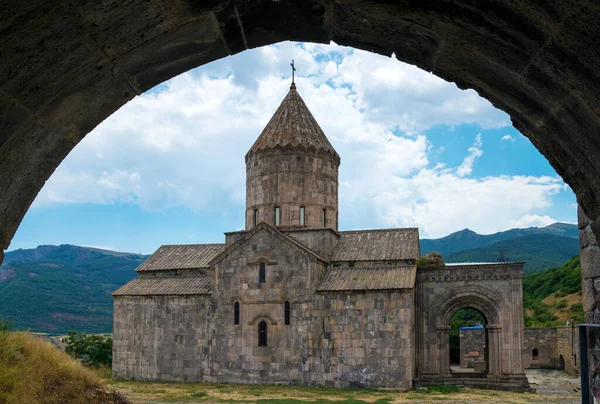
(293, 300)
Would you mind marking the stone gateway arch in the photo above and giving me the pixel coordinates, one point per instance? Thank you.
(493, 289)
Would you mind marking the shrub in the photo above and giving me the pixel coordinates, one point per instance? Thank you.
(577, 307)
(6, 324)
(92, 350)
(561, 304)
(432, 260)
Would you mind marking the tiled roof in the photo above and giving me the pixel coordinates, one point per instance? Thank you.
(187, 256)
(377, 245)
(191, 285)
(369, 278)
(465, 264)
(293, 125)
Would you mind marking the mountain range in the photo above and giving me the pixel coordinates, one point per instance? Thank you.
(540, 247)
(56, 289)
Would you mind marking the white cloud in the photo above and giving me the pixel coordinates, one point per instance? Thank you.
(474, 152)
(183, 144)
(530, 220)
(439, 202)
(508, 137)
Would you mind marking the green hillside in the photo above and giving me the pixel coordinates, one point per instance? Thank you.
(539, 251)
(60, 288)
(552, 295)
(467, 239)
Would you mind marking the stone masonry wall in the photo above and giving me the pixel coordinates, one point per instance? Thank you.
(291, 275)
(544, 340)
(567, 345)
(366, 339)
(161, 338)
(321, 241)
(472, 347)
(290, 178)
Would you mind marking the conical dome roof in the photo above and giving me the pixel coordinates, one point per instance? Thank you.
(293, 125)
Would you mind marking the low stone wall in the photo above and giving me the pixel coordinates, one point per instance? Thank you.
(472, 347)
(567, 347)
(543, 341)
(552, 344)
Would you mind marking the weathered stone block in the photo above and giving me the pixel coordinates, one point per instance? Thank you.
(587, 237)
(590, 262)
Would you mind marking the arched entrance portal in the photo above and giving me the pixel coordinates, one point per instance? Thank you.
(495, 291)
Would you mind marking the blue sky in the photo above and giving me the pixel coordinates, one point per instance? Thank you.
(168, 167)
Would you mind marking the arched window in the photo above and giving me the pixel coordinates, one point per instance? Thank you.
(236, 313)
(255, 216)
(262, 333)
(288, 313)
(262, 273)
(301, 215)
(534, 354)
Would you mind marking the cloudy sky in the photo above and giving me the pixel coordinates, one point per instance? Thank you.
(168, 167)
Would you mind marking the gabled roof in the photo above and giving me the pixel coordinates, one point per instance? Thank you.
(468, 264)
(293, 125)
(167, 286)
(188, 256)
(369, 278)
(276, 233)
(377, 245)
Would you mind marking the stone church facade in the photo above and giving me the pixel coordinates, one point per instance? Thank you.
(292, 300)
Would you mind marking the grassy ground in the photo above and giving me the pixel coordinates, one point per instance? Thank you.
(33, 371)
(157, 392)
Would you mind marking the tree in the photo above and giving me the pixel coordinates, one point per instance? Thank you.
(91, 350)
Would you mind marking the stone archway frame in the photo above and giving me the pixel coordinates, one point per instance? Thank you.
(488, 302)
(69, 67)
(259, 317)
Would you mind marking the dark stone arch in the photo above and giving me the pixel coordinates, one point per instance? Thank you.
(69, 66)
(262, 317)
(479, 297)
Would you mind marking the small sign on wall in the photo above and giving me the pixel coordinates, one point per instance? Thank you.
(474, 353)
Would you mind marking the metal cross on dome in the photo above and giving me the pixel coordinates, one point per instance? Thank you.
(293, 70)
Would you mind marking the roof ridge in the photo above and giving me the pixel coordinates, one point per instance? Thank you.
(157, 278)
(372, 230)
(376, 267)
(190, 245)
(484, 263)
